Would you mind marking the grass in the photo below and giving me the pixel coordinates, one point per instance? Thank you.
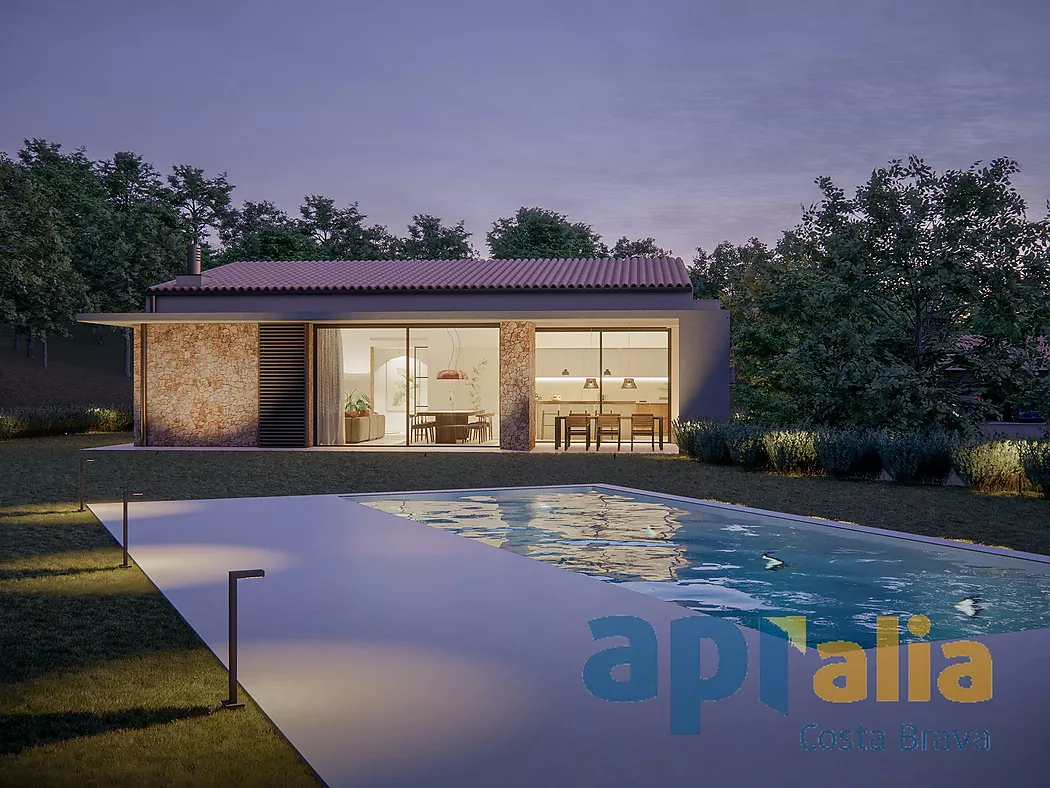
(102, 683)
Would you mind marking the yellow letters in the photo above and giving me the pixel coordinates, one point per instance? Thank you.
(978, 668)
(853, 669)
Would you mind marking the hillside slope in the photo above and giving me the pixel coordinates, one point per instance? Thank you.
(79, 372)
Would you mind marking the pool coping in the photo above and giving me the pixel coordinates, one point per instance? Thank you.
(865, 529)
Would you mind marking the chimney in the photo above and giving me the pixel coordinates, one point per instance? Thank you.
(194, 260)
(193, 276)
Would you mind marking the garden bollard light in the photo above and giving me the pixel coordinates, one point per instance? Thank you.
(235, 575)
(83, 461)
(125, 565)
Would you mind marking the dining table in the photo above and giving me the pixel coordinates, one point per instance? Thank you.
(450, 426)
(559, 425)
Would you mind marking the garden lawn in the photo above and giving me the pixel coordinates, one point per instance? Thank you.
(102, 683)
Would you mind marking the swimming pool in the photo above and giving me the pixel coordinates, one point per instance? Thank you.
(710, 558)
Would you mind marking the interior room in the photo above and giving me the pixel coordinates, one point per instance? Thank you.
(408, 386)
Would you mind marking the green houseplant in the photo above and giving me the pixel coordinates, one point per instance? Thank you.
(357, 404)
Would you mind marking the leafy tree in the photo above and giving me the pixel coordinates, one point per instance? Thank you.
(144, 241)
(643, 247)
(39, 288)
(75, 195)
(538, 233)
(203, 203)
(866, 312)
(429, 239)
(340, 233)
(262, 231)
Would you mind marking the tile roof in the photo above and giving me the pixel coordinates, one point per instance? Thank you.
(416, 275)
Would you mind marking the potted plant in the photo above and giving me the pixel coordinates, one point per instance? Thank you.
(357, 404)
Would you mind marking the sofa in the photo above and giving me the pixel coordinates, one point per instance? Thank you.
(365, 428)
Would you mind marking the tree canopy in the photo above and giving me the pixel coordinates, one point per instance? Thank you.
(535, 233)
(917, 303)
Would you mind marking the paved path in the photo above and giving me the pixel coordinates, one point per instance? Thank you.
(394, 655)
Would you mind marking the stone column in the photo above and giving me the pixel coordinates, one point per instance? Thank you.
(136, 371)
(517, 384)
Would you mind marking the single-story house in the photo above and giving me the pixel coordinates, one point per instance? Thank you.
(420, 352)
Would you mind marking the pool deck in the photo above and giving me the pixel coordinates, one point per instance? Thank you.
(392, 654)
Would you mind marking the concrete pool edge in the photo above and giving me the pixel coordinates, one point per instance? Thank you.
(936, 541)
(544, 610)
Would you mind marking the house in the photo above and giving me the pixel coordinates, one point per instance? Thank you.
(420, 352)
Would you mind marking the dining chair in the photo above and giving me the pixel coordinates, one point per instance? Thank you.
(578, 424)
(423, 429)
(643, 424)
(481, 428)
(608, 424)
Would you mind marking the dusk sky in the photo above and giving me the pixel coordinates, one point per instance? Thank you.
(691, 121)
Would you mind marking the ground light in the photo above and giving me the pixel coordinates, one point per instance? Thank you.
(235, 575)
(125, 565)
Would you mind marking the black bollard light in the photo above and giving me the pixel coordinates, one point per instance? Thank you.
(235, 575)
(83, 461)
(127, 493)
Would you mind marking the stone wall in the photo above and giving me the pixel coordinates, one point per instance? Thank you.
(136, 369)
(202, 385)
(517, 384)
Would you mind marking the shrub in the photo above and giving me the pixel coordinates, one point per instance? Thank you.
(683, 434)
(917, 458)
(791, 451)
(745, 445)
(846, 454)
(709, 443)
(63, 420)
(990, 466)
(1034, 457)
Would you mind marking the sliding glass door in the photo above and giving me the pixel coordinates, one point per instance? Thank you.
(403, 386)
(622, 371)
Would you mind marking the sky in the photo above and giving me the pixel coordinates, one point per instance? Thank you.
(691, 121)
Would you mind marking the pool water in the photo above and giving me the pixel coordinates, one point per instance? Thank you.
(709, 558)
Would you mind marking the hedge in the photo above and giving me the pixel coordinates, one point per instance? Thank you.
(998, 464)
(63, 420)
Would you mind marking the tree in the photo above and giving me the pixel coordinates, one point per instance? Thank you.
(72, 189)
(340, 233)
(203, 203)
(262, 231)
(429, 239)
(40, 291)
(643, 247)
(538, 233)
(144, 242)
(867, 310)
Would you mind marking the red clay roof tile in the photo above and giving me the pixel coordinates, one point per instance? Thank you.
(548, 274)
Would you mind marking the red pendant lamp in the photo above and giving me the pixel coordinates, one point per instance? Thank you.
(452, 372)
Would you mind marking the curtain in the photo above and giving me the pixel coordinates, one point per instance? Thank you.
(331, 426)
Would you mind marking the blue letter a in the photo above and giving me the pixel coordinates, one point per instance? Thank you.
(639, 654)
(688, 687)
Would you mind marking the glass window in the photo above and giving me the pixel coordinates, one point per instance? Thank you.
(601, 371)
(454, 397)
(359, 374)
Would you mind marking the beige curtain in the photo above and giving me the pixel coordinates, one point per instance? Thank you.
(331, 426)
